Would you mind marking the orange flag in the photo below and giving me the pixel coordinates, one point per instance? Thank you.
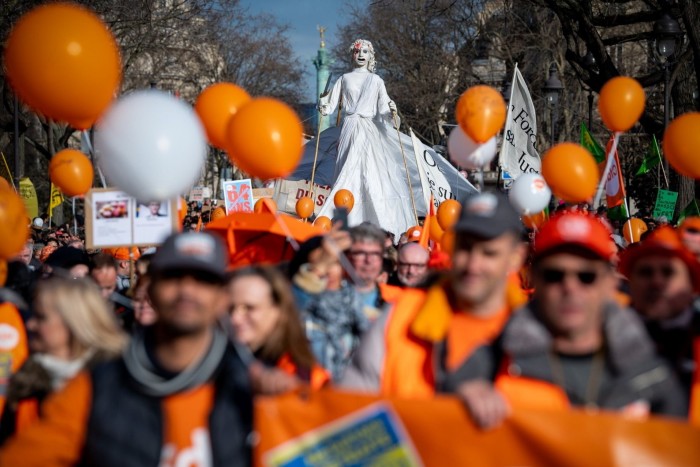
(425, 233)
(614, 185)
(199, 224)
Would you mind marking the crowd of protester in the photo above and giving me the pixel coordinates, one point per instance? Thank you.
(141, 356)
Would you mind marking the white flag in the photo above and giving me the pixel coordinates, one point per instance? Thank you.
(519, 152)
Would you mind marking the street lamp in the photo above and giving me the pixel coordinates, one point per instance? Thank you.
(667, 34)
(552, 89)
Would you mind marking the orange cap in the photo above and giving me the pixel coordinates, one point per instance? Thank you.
(122, 254)
(413, 234)
(578, 229)
(692, 222)
(663, 241)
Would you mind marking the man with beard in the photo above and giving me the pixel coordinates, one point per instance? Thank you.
(180, 395)
(413, 350)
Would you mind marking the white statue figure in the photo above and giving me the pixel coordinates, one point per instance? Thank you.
(366, 163)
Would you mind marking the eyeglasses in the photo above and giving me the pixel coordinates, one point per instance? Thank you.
(647, 272)
(371, 255)
(556, 276)
(411, 265)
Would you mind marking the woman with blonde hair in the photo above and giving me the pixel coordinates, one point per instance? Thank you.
(264, 318)
(71, 328)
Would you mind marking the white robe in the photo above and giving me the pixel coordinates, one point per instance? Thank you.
(369, 161)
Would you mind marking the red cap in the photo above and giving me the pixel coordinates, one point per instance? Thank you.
(578, 229)
(692, 222)
(663, 241)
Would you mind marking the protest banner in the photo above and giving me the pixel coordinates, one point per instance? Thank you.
(665, 204)
(519, 150)
(238, 195)
(288, 192)
(334, 428)
(199, 193)
(113, 219)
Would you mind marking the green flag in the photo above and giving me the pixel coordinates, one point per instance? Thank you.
(690, 210)
(592, 145)
(652, 158)
(618, 213)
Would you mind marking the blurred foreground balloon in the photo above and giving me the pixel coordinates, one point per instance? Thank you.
(14, 228)
(264, 138)
(529, 194)
(323, 222)
(448, 241)
(633, 230)
(481, 112)
(436, 232)
(215, 107)
(3, 272)
(71, 171)
(64, 63)
(469, 154)
(344, 199)
(621, 103)
(448, 213)
(151, 145)
(681, 143)
(533, 221)
(305, 207)
(571, 172)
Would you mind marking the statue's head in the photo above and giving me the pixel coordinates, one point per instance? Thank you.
(363, 54)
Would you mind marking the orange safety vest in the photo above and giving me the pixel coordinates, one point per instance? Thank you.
(390, 293)
(694, 413)
(13, 346)
(528, 393)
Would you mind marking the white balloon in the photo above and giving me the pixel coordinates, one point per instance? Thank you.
(529, 194)
(468, 153)
(151, 145)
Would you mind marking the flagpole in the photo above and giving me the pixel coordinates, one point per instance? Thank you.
(405, 165)
(663, 171)
(606, 172)
(9, 172)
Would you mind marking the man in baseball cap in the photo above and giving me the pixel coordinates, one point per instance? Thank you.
(572, 345)
(465, 310)
(182, 375)
(664, 279)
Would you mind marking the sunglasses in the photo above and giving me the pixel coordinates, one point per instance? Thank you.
(647, 272)
(556, 276)
(691, 231)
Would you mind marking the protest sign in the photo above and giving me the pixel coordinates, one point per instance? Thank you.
(288, 192)
(665, 204)
(113, 218)
(238, 195)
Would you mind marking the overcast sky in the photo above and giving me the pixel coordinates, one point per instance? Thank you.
(303, 16)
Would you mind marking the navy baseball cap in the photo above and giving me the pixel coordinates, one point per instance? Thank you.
(488, 215)
(191, 251)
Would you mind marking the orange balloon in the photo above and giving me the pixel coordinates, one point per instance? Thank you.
(633, 230)
(448, 213)
(436, 231)
(621, 103)
(260, 203)
(571, 172)
(71, 171)
(448, 241)
(181, 211)
(3, 272)
(681, 140)
(215, 107)
(414, 233)
(344, 199)
(323, 222)
(305, 207)
(481, 112)
(4, 184)
(14, 229)
(535, 220)
(63, 62)
(218, 213)
(264, 138)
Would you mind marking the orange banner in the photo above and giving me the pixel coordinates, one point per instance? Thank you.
(334, 428)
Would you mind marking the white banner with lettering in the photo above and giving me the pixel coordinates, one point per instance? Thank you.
(519, 150)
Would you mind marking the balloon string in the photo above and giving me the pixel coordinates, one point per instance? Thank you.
(606, 172)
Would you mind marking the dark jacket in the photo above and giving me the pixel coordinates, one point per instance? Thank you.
(125, 427)
(632, 370)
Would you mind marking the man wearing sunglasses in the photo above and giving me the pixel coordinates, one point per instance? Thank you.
(180, 394)
(664, 279)
(572, 345)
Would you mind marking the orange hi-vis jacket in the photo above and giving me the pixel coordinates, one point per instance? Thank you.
(318, 378)
(13, 346)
